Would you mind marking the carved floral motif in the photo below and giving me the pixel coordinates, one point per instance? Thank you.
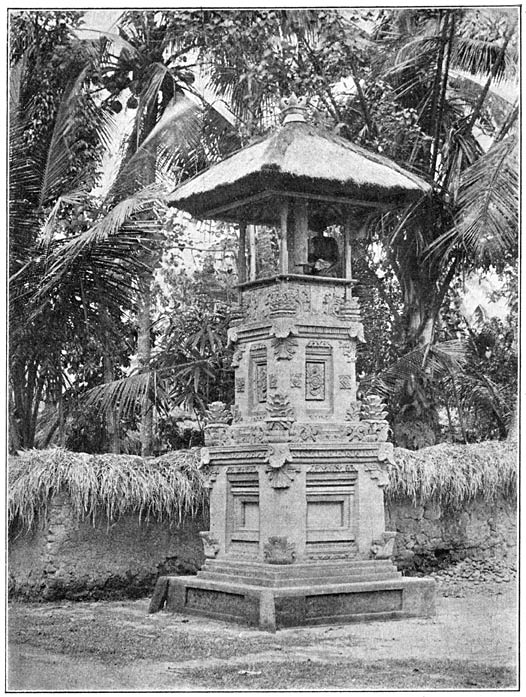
(278, 550)
(272, 381)
(250, 434)
(217, 413)
(240, 384)
(210, 544)
(373, 408)
(304, 432)
(279, 407)
(353, 411)
(315, 380)
(383, 547)
(284, 349)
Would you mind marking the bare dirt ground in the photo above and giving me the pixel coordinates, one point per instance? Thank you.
(470, 645)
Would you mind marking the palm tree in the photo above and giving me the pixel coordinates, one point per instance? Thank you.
(175, 131)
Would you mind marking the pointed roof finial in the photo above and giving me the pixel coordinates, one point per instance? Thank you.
(293, 109)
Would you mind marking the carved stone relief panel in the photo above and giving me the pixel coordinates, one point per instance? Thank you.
(258, 376)
(314, 380)
(318, 372)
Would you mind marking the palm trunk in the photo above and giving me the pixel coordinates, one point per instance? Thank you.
(144, 355)
(112, 419)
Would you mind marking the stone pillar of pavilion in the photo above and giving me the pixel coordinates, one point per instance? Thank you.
(297, 466)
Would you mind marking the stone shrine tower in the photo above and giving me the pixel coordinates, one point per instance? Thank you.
(297, 467)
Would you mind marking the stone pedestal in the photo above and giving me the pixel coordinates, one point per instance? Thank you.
(296, 473)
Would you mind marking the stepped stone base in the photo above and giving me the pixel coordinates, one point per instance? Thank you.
(272, 597)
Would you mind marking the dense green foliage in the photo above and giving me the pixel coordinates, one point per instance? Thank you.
(88, 312)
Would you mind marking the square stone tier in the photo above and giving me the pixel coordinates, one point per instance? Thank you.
(273, 597)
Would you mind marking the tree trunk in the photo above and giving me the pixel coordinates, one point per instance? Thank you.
(144, 355)
(112, 419)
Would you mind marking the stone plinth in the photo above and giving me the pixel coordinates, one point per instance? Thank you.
(301, 594)
(296, 472)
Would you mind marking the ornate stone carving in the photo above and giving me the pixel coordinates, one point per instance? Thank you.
(288, 301)
(217, 413)
(240, 384)
(330, 468)
(237, 356)
(356, 331)
(296, 380)
(242, 469)
(260, 381)
(348, 349)
(210, 544)
(278, 550)
(284, 349)
(217, 434)
(304, 432)
(272, 381)
(373, 408)
(210, 474)
(345, 382)
(280, 472)
(386, 453)
(232, 336)
(283, 343)
(314, 380)
(236, 414)
(279, 407)
(383, 547)
(378, 473)
(378, 431)
(250, 434)
(353, 411)
(349, 553)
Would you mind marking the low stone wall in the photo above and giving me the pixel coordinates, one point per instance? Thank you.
(431, 535)
(76, 560)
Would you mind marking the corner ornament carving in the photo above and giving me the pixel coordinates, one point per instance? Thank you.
(356, 331)
(210, 544)
(278, 550)
(280, 472)
(232, 336)
(383, 547)
(283, 332)
(386, 453)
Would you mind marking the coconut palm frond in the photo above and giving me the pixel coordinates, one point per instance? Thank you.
(487, 224)
(59, 154)
(441, 359)
(123, 395)
(72, 198)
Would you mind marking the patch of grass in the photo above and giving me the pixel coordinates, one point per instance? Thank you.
(162, 488)
(121, 637)
(298, 674)
(453, 473)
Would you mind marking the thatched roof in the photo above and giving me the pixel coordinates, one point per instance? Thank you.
(296, 159)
